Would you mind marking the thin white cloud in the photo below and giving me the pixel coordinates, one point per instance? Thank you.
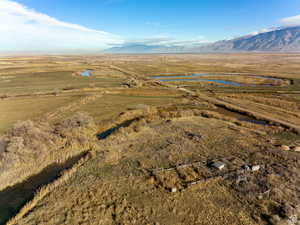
(291, 21)
(24, 29)
(265, 30)
(168, 41)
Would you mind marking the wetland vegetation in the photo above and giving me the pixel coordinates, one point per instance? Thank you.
(96, 146)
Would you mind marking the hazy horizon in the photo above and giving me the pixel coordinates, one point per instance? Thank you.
(58, 27)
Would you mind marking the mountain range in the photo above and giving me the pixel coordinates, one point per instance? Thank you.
(147, 48)
(285, 39)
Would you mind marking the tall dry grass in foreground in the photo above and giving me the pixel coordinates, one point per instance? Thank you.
(30, 147)
(47, 189)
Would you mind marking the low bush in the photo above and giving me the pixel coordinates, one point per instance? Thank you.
(31, 145)
(28, 137)
(78, 120)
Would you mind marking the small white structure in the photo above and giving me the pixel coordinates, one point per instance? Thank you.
(218, 165)
(296, 148)
(246, 167)
(285, 147)
(255, 167)
(174, 189)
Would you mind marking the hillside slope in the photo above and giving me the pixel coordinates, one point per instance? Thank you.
(286, 39)
(280, 40)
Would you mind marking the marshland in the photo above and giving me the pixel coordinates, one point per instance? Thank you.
(90, 139)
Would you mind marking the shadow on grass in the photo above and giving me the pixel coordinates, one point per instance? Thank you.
(110, 131)
(13, 198)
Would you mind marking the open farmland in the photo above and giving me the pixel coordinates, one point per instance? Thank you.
(24, 108)
(120, 147)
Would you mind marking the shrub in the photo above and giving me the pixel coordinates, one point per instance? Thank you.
(28, 139)
(22, 128)
(15, 145)
(78, 120)
(30, 146)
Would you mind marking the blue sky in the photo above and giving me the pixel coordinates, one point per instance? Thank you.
(132, 20)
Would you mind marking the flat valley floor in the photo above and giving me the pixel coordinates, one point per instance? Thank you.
(122, 147)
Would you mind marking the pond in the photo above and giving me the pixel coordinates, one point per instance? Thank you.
(86, 73)
(206, 80)
(179, 77)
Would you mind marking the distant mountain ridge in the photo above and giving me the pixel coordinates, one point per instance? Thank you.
(285, 39)
(143, 48)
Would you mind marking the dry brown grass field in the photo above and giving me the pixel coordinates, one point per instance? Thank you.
(119, 147)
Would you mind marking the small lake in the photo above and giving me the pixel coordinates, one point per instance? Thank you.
(179, 77)
(206, 80)
(86, 73)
